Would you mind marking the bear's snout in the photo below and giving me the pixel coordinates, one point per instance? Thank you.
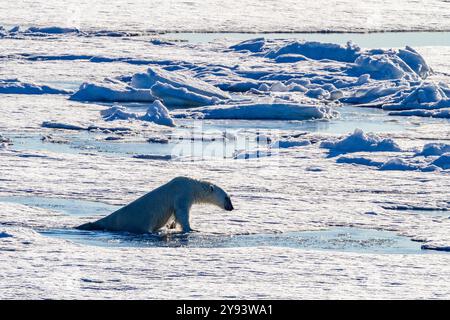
(228, 204)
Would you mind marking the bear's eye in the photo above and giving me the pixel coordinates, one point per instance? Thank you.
(211, 188)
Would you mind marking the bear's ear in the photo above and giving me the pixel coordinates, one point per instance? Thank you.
(211, 188)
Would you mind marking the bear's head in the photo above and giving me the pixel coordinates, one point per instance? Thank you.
(217, 196)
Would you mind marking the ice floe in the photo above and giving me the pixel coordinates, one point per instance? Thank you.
(77, 127)
(112, 90)
(175, 88)
(253, 154)
(434, 149)
(4, 142)
(180, 97)
(304, 185)
(390, 79)
(440, 113)
(318, 51)
(427, 95)
(5, 235)
(391, 64)
(261, 111)
(290, 143)
(49, 30)
(432, 157)
(172, 88)
(156, 113)
(117, 113)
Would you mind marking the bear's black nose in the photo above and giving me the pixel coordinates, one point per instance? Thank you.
(228, 204)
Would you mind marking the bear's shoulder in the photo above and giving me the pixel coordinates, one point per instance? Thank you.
(182, 179)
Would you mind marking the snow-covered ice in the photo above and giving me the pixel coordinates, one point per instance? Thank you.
(432, 157)
(440, 113)
(336, 155)
(156, 113)
(15, 86)
(284, 16)
(262, 111)
(111, 90)
(359, 141)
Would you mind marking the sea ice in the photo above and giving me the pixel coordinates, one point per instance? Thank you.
(434, 149)
(158, 114)
(15, 86)
(290, 58)
(398, 164)
(261, 111)
(427, 96)
(359, 161)
(290, 143)
(172, 88)
(432, 157)
(64, 126)
(5, 235)
(154, 157)
(265, 190)
(75, 127)
(177, 80)
(439, 113)
(443, 161)
(252, 45)
(318, 51)
(360, 141)
(392, 79)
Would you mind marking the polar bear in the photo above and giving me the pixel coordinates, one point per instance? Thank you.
(170, 202)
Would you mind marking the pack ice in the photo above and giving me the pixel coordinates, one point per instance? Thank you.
(172, 89)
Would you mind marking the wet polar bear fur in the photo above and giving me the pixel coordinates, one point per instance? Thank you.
(156, 209)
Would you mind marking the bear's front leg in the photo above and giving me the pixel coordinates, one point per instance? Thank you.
(182, 217)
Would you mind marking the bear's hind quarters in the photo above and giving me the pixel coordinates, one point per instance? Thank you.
(87, 226)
